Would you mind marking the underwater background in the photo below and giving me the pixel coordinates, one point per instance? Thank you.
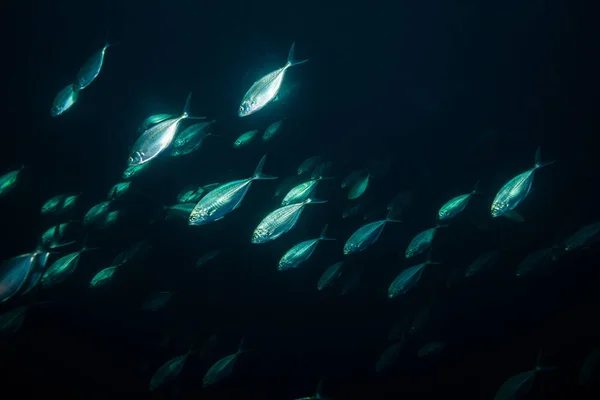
(444, 94)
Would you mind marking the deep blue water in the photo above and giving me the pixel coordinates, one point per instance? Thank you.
(447, 93)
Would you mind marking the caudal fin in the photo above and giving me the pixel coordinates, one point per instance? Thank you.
(186, 108)
(538, 160)
(291, 62)
(258, 174)
(323, 235)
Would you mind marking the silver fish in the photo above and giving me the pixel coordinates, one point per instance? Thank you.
(103, 277)
(422, 241)
(301, 252)
(245, 138)
(153, 120)
(407, 279)
(456, 205)
(222, 368)
(9, 180)
(583, 238)
(90, 70)
(54, 236)
(190, 194)
(351, 178)
(40, 260)
(309, 164)
(62, 268)
(272, 130)
(158, 137)
(516, 190)
(301, 192)
(226, 198)
(266, 88)
(519, 386)
(330, 275)
(366, 235)
(168, 371)
(64, 100)
(280, 221)
(13, 275)
(191, 138)
(134, 170)
(97, 213)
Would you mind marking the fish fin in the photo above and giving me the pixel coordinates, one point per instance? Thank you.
(323, 235)
(514, 216)
(312, 200)
(54, 246)
(428, 259)
(291, 62)
(186, 108)
(476, 188)
(538, 160)
(258, 171)
(241, 348)
(539, 367)
(390, 216)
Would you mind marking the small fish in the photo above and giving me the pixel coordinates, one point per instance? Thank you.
(301, 252)
(330, 275)
(119, 190)
(169, 371)
(519, 386)
(191, 138)
(153, 120)
(351, 211)
(64, 100)
(90, 70)
(486, 260)
(280, 221)
(59, 204)
(190, 194)
(157, 138)
(285, 185)
(13, 275)
(430, 349)
(536, 260)
(351, 178)
(301, 192)
(208, 257)
(309, 164)
(62, 268)
(266, 88)
(226, 198)
(516, 190)
(55, 236)
(422, 242)
(272, 130)
(103, 277)
(9, 180)
(390, 356)
(110, 219)
(366, 235)
(157, 301)
(134, 170)
(407, 279)
(97, 213)
(136, 250)
(222, 368)
(583, 238)
(244, 139)
(456, 205)
(359, 187)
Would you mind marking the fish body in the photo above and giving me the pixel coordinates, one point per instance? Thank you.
(134, 170)
(167, 372)
(330, 275)
(226, 198)
(12, 320)
(97, 213)
(103, 277)
(190, 194)
(280, 221)
(59, 204)
(406, 280)
(583, 238)
(272, 130)
(421, 242)
(153, 120)
(485, 260)
(536, 260)
(266, 88)
(245, 138)
(61, 269)
(300, 192)
(180, 211)
(64, 100)
(221, 369)
(456, 205)
(90, 70)
(366, 235)
(119, 190)
(13, 275)
(8, 181)
(309, 164)
(516, 190)
(359, 187)
(190, 139)
(54, 236)
(301, 252)
(390, 356)
(157, 301)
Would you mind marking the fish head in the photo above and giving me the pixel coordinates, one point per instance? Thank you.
(136, 158)
(260, 235)
(247, 107)
(498, 208)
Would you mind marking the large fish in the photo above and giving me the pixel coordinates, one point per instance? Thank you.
(158, 137)
(280, 221)
(64, 100)
(226, 198)
(90, 70)
(516, 190)
(301, 252)
(366, 235)
(266, 88)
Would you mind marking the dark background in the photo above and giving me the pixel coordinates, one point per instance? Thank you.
(449, 92)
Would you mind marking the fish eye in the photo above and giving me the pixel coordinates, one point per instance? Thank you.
(130, 159)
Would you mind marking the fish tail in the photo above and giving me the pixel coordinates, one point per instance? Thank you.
(538, 160)
(476, 188)
(258, 174)
(312, 200)
(428, 260)
(186, 108)
(291, 62)
(323, 235)
(390, 216)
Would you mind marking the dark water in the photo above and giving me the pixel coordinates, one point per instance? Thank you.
(448, 93)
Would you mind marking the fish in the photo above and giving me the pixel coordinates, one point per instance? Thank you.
(208, 257)
(13, 275)
(119, 190)
(302, 191)
(191, 138)
(318, 393)
(91, 68)
(244, 139)
(64, 100)
(190, 194)
(59, 204)
(330, 275)
(134, 170)
(153, 120)
(110, 219)
(222, 368)
(169, 371)
(485, 260)
(62, 268)
(516, 190)
(97, 213)
(519, 385)
(359, 187)
(54, 236)
(536, 260)
(226, 198)
(309, 164)
(9, 180)
(266, 88)
(40, 260)
(407, 279)
(430, 349)
(157, 301)
(157, 138)
(456, 205)
(390, 356)
(301, 252)
(422, 241)
(280, 221)
(366, 235)
(351, 178)
(137, 249)
(588, 375)
(272, 130)
(103, 277)
(583, 238)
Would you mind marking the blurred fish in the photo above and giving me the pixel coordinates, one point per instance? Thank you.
(59, 204)
(422, 242)
(191, 138)
(211, 186)
(317, 395)
(134, 170)
(272, 130)
(351, 178)
(190, 194)
(366, 235)
(301, 252)
(309, 164)
(90, 70)
(280, 221)
(157, 301)
(153, 120)
(330, 275)
(245, 138)
(158, 137)
(407, 279)
(9, 180)
(390, 356)
(516, 190)
(223, 367)
(40, 261)
(208, 257)
(64, 100)
(62, 268)
(285, 185)
(136, 250)
(302, 192)
(55, 236)
(169, 371)
(431, 349)
(583, 238)
(536, 260)
(351, 211)
(456, 205)
(110, 219)
(97, 213)
(119, 190)
(589, 373)
(103, 277)
(486, 260)
(266, 88)
(12, 320)
(13, 275)
(520, 385)
(226, 198)
(179, 211)
(359, 187)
